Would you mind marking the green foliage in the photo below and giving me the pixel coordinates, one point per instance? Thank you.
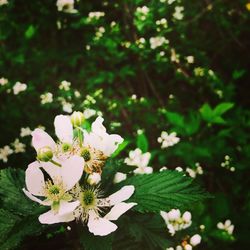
(18, 215)
(163, 191)
(142, 142)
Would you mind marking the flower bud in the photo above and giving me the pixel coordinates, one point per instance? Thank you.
(94, 179)
(77, 118)
(195, 240)
(45, 154)
(188, 247)
(186, 217)
(174, 214)
(119, 177)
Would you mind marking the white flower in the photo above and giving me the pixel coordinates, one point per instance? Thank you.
(178, 14)
(5, 152)
(3, 81)
(19, 87)
(140, 160)
(46, 98)
(66, 6)
(168, 140)
(119, 177)
(89, 113)
(157, 41)
(142, 10)
(91, 204)
(95, 15)
(65, 85)
(25, 132)
(18, 146)
(227, 226)
(3, 2)
(55, 191)
(194, 172)
(94, 179)
(63, 129)
(98, 145)
(195, 240)
(67, 107)
(190, 59)
(175, 221)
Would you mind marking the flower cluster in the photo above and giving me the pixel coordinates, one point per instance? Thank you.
(188, 244)
(175, 221)
(138, 159)
(226, 226)
(74, 165)
(193, 172)
(66, 6)
(168, 140)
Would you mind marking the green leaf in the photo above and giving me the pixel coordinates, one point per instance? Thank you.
(18, 214)
(222, 108)
(175, 119)
(164, 191)
(91, 242)
(142, 142)
(30, 32)
(120, 148)
(206, 112)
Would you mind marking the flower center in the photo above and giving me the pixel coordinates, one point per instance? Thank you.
(86, 154)
(88, 199)
(66, 147)
(55, 191)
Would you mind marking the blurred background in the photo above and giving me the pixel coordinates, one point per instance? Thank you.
(156, 71)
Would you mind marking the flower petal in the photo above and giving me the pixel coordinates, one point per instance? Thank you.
(100, 226)
(41, 139)
(118, 210)
(97, 126)
(63, 128)
(54, 171)
(50, 217)
(34, 179)
(123, 194)
(67, 207)
(72, 170)
(33, 198)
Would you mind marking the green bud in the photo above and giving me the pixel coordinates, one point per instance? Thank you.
(77, 118)
(45, 154)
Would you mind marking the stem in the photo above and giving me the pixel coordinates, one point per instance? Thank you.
(79, 136)
(56, 163)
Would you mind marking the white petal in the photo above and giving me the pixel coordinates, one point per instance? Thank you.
(33, 198)
(67, 207)
(118, 210)
(111, 143)
(54, 171)
(72, 170)
(100, 226)
(34, 179)
(41, 139)
(97, 126)
(123, 194)
(63, 128)
(50, 218)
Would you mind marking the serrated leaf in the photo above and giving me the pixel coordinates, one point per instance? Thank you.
(164, 191)
(21, 213)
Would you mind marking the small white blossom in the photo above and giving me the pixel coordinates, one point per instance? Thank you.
(25, 132)
(119, 177)
(3, 2)
(67, 107)
(3, 81)
(178, 14)
(95, 15)
(18, 146)
(226, 226)
(65, 85)
(140, 160)
(46, 98)
(168, 140)
(157, 41)
(94, 179)
(175, 221)
(89, 113)
(19, 87)
(66, 6)
(194, 172)
(5, 152)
